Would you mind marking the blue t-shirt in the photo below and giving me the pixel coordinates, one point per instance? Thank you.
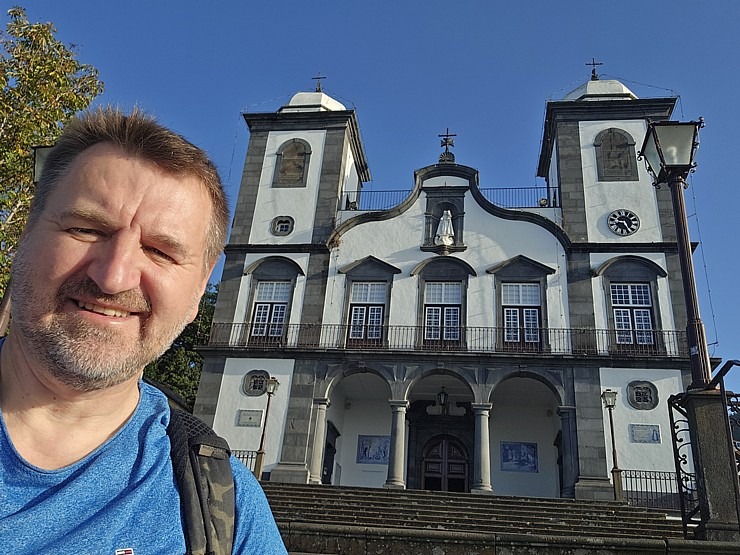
(120, 499)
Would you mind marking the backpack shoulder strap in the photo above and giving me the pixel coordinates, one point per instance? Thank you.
(200, 460)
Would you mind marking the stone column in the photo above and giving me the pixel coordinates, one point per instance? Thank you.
(319, 439)
(569, 449)
(398, 445)
(482, 463)
(716, 475)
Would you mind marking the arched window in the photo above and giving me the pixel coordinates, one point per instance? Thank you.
(291, 164)
(631, 287)
(615, 156)
(273, 282)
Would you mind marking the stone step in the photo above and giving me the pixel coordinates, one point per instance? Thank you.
(463, 513)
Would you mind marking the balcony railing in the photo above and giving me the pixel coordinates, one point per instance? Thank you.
(464, 339)
(247, 457)
(651, 489)
(505, 197)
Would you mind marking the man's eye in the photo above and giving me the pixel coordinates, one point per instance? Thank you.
(159, 254)
(83, 231)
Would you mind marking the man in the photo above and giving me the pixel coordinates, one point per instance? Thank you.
(126, 226)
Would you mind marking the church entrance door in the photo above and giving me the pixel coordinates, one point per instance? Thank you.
(445, 465)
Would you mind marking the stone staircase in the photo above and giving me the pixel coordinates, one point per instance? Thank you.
(330, 520)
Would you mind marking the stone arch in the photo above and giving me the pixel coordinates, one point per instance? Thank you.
(630, 267)
(357, 413)
(274, 266)
(526, 436)
(556, 389)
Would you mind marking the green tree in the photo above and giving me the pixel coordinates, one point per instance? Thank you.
(43, 86)
(179, 367)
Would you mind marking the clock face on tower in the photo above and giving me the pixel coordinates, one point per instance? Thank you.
(623, 222)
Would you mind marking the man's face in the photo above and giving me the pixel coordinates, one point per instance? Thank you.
(112, 270)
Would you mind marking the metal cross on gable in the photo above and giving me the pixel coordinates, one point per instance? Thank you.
(447, 140)
(318, 79)
(593, 63)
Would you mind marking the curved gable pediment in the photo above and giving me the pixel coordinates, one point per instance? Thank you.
(630, 267)
(274, 267)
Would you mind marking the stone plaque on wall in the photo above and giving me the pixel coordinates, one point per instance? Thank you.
(645, 433)
(249, 418)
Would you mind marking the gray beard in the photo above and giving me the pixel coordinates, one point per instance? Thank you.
(74, 352)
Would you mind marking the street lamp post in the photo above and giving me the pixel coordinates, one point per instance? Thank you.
(669, 149)
(610, 401)
(271, 386)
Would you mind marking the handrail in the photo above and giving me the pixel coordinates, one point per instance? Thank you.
(505, 197)
(576, 341)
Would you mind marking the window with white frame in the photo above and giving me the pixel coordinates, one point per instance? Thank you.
(633, 313)
(442, 310)
(366, 311)
(270, 308)
(521, 305)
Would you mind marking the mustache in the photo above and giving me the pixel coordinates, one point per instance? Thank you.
(132, 300)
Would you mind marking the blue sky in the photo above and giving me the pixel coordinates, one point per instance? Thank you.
(411, 69)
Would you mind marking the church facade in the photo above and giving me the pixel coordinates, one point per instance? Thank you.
(450, 337)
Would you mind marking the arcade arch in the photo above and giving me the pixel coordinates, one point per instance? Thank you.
(526, 451)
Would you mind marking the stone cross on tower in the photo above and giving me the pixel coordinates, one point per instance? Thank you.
(318, 79)
(593, 63)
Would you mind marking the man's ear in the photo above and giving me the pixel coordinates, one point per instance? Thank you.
(202, 288)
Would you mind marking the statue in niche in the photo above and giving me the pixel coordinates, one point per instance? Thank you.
(445, 232)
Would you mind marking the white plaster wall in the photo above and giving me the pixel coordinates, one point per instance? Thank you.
(553, 170)
(362, 417)
(242, 312)
(296, 202)
(489, 240)
(603, 197)
(351, 179)
(640, 456)
(335, 414)
(663, 303)
(448, 180)
(231, 399)
(530, 424)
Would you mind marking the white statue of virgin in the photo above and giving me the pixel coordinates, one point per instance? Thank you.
(445, 233)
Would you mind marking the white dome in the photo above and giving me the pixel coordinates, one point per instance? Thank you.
(607, 89)
(312, 102)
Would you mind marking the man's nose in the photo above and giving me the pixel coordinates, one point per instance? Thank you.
(115, 265)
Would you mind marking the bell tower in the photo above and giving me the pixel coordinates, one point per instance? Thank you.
(303, 162)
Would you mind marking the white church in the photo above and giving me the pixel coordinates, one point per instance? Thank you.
(450, 337)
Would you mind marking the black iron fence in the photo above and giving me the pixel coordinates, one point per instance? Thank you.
(651, 489)
(464, 339)
(505, 197)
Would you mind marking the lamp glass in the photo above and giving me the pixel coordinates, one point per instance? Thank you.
(650, 152)
(442, 397)
(676, 143)
(610, 398)
(272, 385)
